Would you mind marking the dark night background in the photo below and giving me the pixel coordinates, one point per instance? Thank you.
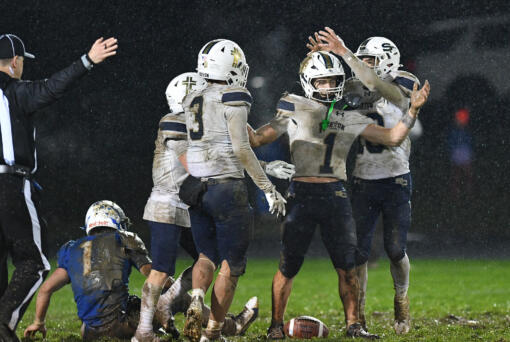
(97, 142)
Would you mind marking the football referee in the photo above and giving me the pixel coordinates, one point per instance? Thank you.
(20, 229)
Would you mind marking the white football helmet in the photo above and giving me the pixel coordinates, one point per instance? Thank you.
(106, 214)
(385, 52)
(318, 65)
(223, 60)
(181, 86)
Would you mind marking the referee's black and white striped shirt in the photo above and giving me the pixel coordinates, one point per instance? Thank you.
(19, 100)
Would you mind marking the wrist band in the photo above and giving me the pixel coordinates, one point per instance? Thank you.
(88, 59)
(408, 120)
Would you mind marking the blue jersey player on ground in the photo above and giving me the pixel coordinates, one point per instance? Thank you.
(98, 267)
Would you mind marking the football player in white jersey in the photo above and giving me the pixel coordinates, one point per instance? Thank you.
(382, 179)
(321, 129)
(218, 153)
(169, 221)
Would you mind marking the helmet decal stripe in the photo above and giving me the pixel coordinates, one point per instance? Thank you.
(327, 60)
(209, 47)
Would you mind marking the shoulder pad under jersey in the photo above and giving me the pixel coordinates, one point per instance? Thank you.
(287, 103)
(131, 241)
(173, 123)
(236, 96)
(62, 253)
(405, 81)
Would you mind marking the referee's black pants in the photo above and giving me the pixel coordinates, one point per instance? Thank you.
(21, 238)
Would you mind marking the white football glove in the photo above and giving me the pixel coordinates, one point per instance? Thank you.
(276, 202)
(280, 169)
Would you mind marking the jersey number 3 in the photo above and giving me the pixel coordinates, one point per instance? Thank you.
(196, 108)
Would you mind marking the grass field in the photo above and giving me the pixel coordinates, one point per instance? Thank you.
(466, 300)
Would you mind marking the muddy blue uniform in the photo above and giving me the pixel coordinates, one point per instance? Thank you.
(99, 267)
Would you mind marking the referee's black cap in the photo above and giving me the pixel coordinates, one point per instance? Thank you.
(11, 45)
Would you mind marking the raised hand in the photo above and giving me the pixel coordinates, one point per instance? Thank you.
(419, 97)
(331, 42)
(314, 43)
(102, 49)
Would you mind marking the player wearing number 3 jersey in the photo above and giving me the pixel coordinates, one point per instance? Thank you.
(218, 153)
(322, 128)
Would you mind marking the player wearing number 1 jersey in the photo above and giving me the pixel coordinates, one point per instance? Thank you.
(382, 179)
(321, 130)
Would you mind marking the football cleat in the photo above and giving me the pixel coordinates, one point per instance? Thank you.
(402, 317)
(275, 332)
(148, 336)
(165, 318)
(356, 330)
(220, 338)
(193, 325)
(247, 316)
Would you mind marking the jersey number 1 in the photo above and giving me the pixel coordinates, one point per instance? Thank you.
(196, 108)
(87, 253)
(329, 141)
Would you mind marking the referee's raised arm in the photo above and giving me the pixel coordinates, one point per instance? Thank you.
(20, 224)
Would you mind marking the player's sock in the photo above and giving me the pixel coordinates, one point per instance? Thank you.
(363, 279)
(400, 273)
(177, 297)
(150, 296)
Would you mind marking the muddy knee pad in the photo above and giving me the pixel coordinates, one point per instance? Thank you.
(290, 264)
(237, 266)
(394, 251)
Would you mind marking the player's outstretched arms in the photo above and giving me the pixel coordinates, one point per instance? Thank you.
(396, 135)
(330, 41)
(262, 136)
(54, 283)
(102, 49)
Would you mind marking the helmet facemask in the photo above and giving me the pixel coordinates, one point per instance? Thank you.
(328, 94)
(385, 53)
(322, 65)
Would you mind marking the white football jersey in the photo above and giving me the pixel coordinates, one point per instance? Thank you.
(316, 152)
(210, 153)
(374, 161)
(164, 204)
